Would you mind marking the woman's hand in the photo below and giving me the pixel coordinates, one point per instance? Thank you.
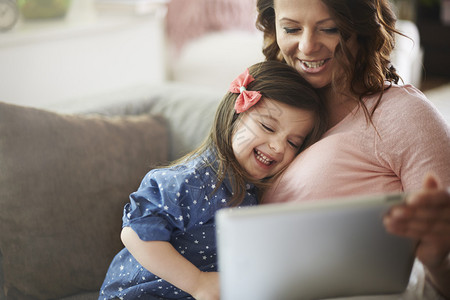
(208, 286)
(426, 218)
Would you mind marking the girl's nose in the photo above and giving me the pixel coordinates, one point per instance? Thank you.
(276, 146)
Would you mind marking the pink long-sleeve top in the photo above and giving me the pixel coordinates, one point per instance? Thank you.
(409, 138)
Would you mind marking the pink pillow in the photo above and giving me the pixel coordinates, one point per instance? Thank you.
(188, 19)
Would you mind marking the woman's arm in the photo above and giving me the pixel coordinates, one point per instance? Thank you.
(164, 261)
(414, 143)
(426, 218)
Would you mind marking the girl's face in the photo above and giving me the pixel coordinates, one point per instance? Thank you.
(307, 37)
(269, 135)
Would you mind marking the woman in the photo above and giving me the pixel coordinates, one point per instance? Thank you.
(381, 137)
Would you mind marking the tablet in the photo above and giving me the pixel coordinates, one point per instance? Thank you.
(312, 250)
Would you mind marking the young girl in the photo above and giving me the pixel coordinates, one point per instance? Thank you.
(269, 115)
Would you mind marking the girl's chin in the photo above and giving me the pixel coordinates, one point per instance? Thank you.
(257, 176)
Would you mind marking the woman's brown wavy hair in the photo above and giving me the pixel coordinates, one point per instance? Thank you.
(373, 24)
(276, 81)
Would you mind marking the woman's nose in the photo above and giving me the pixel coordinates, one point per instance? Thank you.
(307, 43)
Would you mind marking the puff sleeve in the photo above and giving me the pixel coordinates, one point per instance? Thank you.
(161, 205)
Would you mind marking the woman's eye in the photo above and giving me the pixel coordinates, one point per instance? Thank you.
(267, 127)
(291, 30)
(332, 30)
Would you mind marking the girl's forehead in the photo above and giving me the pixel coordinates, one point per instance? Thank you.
(267, 107)
(277, 111)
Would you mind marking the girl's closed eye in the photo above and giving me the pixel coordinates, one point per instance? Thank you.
(294, 145)
(267, 128)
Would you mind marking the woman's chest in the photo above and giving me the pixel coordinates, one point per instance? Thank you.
(341, 164)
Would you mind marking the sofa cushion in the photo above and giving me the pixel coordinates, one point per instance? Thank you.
(63, 182)
(189, 111)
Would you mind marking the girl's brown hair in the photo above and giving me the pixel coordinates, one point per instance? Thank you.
(373, 24)
(275, 81)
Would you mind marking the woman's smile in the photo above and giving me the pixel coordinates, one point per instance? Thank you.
(310, 66)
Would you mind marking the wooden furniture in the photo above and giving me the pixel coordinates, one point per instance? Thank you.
(435, 40)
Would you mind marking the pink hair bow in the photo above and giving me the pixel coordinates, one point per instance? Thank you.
(246, 99)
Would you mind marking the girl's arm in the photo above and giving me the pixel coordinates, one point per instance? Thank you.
(164, 261)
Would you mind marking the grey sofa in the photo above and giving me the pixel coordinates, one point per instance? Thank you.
(66, 171)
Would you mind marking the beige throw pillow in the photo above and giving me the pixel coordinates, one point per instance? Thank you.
(63, 182)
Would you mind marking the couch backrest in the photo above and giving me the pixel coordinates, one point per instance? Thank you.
(65, 178)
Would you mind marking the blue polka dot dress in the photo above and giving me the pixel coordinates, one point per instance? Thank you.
(178, 205)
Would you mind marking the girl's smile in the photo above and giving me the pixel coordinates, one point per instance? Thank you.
(263, 158)
(269, 136)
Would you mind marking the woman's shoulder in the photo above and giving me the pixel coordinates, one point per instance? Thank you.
(405, 101)
(405, 109)
(403, 93)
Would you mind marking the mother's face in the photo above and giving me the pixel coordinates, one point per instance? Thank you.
(307, 37)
